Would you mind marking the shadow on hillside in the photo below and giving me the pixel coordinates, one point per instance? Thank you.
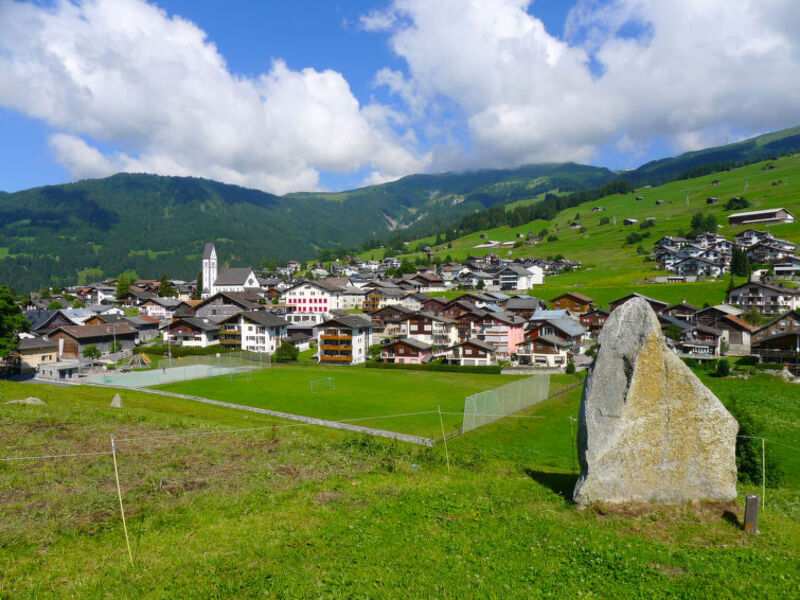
(561, 483)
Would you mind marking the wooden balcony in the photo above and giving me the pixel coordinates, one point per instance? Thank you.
(336, 348)
(328, 358)
(230, 342)
(336, 337)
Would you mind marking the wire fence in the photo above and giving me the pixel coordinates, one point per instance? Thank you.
(486, 407)
(239, 364)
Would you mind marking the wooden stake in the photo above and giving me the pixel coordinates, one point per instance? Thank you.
(119, 494)
(444, 437)
(763, 473)
(571, 445)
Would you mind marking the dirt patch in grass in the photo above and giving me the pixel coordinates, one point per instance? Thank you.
(325, 497)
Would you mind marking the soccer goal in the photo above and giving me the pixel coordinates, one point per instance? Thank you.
(322, 385)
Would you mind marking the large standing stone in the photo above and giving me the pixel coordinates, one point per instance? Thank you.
(649, 430)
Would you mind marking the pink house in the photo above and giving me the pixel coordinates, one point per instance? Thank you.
(503, 331)
(408, 351)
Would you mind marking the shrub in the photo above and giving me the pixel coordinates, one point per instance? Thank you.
(286, 352)
(723, 368)
(749, 453)
(435, 366)
(552, 238)
(570, 370)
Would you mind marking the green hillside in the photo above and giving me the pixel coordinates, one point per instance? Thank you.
(610, 265)
(152, 224)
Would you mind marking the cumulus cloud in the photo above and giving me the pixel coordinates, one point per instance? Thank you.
(122, 74)
(693, 73)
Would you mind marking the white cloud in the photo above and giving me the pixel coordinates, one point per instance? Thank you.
(124, 74)
(697, 73)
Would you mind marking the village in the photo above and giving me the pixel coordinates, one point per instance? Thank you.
(482, 312)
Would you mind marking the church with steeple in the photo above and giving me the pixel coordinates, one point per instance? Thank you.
(217, 280)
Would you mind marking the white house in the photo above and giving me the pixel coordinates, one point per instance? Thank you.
(316, 297)
(256, 331)
(344, 340)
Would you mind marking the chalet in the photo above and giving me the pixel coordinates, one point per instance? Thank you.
(562, 328)
(516, 277)
(544, 351)
(407, 351)
(387, 320)
(32, 352)
(700, 267)
(437, 331)
(767, 298)
(256, 331)
(683, 311)
(594, 320)
(656, 305)
(575, 225)
(523, 306)
(768, 252)
(134, 297)
(197, 332)
(224, 280)
(301, 341)
(750, 237)
(630, 221)
(428, 282)
(344, 340)
(575, 302)
(715, 182)
(701, 341)
(659, 202)
(671, 323)
(455, 308)
(772, 215)
(377, 298)
(43, 322)
(787, 322)
(783, 347)
(146, 328)
(471, 353)
(789, 267)
(503, 331)
(222, 305)
(73, 340)
(712, 200)
(417, 301)
(161, 308)
(735, 332)
(597, 209)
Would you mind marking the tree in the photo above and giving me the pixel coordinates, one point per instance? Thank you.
(12, 321)
(374, 351)
(698, 221)
(45, 293)
(115, 346)
(406, 267)
(570, 370)
(673, 332)
(286, 352)
(731, 286)
(78, 304)
(123, 286)
(91, 352)
(54, 305)
(480, 285)
(165, 288)
(711, 223)
(199, 288)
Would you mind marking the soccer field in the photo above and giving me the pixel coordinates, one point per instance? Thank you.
(369, 395)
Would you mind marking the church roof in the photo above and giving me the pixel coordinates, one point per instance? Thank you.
(209, 250)
(234, 276)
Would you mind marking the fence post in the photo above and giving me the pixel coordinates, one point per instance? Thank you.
(444, 437)
(119, 495)
(763, 473)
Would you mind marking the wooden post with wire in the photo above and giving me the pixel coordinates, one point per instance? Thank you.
(119, 495)
(444, 437)
(571, 444)
(763, 473)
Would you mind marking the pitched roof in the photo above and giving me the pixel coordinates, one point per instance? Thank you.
(351, 321)
(36, 343)
(577, 295)
(233, 276)
(568, 326)
(414, 343)
(523, 303)
(262, 317)
(96, 331)
(477, 343)
(246, 300)
(198, 323)
(208, 250)
(553, 340)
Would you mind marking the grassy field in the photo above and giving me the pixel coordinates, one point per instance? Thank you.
(613, 268)
(306, 512)
(360, 393)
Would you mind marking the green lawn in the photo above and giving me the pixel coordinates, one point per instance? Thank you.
(359, 393)
(309, 512)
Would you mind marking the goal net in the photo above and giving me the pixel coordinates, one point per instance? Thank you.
(322, 385)
(489, 406)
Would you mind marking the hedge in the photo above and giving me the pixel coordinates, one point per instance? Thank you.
(179, 351)
(489, 370)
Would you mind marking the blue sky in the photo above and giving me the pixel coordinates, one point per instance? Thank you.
(305, 95)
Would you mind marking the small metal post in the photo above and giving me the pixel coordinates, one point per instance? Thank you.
(751, 514)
